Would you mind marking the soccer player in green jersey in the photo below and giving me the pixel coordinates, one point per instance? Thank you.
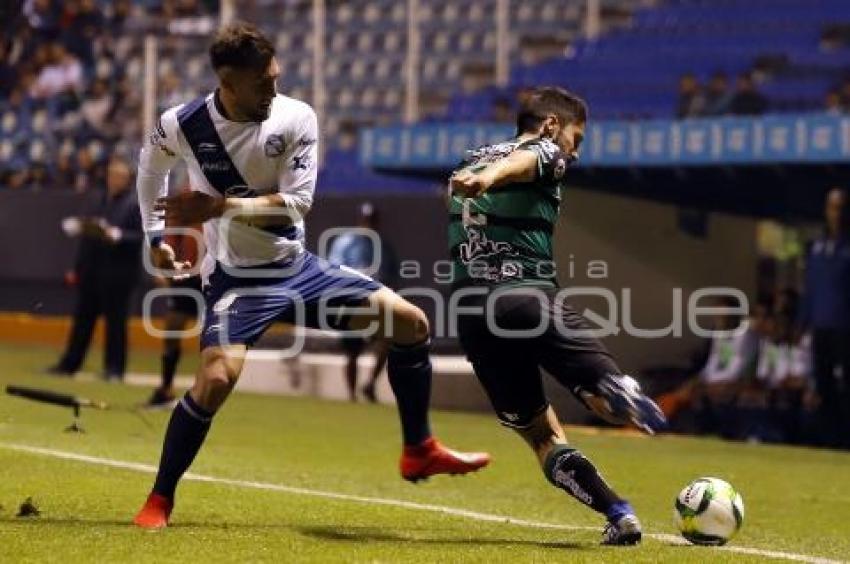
(503, 203)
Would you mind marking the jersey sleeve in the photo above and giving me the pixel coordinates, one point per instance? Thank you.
(298, 178)
(160, 153)
(551, 161)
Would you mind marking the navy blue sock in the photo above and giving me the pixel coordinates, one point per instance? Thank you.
(409, 370)
(568, 469)
(186, 432)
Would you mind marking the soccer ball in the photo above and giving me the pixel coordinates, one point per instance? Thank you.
(709, 512)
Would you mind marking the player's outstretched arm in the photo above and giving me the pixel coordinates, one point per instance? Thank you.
(518, 167)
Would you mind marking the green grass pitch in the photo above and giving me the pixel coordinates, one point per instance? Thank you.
(797, 500)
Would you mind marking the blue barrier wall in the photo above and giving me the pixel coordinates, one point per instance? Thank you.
(813, 138)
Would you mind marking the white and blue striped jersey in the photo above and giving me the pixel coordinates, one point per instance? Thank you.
(242, 159)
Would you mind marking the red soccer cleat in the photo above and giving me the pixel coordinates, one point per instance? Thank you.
(421, 461)
(154, 514)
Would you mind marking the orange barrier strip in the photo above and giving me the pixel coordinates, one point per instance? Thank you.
(25, 328)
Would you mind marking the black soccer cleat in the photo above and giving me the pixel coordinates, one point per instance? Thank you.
(161, 399)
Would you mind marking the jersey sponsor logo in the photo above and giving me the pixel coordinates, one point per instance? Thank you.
(207, 147)
(301, 162)
(478, 246)
(274, 146)
(215, 166)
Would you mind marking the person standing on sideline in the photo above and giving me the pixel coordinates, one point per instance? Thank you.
(108, 269)
(357, 250)
(826, 312)
(181, 309)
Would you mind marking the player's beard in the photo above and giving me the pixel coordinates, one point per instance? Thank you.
(261, 114)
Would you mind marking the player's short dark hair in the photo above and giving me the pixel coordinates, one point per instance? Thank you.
(240, 45)
(545, 100)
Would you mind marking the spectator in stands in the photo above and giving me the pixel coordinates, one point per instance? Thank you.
(63, 74)
(121, 10)
(832, 103)
(826, 312)
(43, 17)
(170, 94)
(784, 371)
(181, 8)
(83, 24)
(717, 96)
(64, 173)
(502, 110)
(8, 75)
(357, 251)
(88, 173)
(747, 101)
(844, 95)
(523, 94)
(38, 177)
(16, 173)
(97, 106)
(108, 269)
(691, 101)
(731, 362)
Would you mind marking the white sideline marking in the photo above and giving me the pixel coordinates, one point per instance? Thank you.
(475, 515)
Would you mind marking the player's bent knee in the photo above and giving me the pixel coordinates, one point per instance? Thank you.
(421, 327)
(217, 376)
(411, 325)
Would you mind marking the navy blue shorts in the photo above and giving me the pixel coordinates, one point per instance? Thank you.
(309, 292)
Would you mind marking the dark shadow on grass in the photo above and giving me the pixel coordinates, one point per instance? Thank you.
(375, 534)
(415, 535)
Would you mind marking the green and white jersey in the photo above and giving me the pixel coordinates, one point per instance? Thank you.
(504, 236)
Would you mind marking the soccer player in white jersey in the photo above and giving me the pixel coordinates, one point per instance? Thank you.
(252, 160)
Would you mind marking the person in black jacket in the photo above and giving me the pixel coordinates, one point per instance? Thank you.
(108, 268)
(747, 100)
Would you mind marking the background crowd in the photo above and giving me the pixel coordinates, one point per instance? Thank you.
(782, 374)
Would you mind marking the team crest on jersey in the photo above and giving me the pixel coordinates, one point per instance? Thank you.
(274, 146)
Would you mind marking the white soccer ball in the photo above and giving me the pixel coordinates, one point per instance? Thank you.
(709, 511)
